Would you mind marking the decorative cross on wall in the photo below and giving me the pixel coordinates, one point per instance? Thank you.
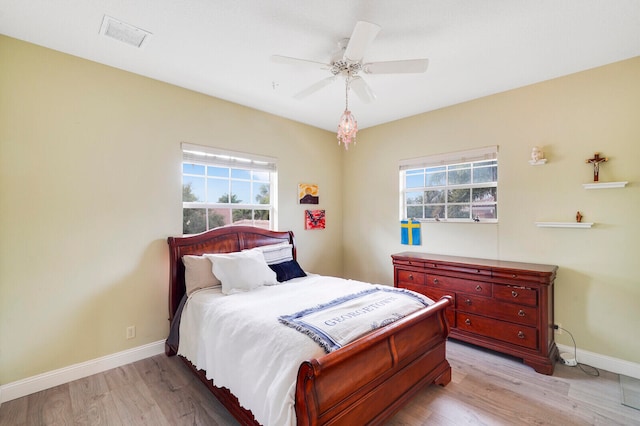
(596, 160)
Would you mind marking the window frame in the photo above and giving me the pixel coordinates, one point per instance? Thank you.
(446, 162)
(231, 160)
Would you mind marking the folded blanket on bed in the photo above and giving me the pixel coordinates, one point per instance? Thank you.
(340, 321)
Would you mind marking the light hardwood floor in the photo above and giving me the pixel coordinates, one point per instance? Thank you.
(486, 389)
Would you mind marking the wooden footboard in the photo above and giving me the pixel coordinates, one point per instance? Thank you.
(369, 380)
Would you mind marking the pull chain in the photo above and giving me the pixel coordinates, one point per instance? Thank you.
(346, 95)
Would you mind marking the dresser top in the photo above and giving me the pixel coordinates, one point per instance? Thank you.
(476, 262)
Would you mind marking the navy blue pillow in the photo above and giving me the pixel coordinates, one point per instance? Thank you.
(288, 270)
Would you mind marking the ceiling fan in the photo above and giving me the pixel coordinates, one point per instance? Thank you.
(348, 62)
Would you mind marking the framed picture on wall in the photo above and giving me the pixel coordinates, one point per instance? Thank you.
(308, 193)
(314, 219)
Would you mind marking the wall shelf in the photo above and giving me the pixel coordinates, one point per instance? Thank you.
(604, 185)
(564, 224)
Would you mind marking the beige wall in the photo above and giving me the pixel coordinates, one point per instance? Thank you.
(90, 188)
(598, 285)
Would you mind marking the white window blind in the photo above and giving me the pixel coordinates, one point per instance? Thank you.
(225, 158)
(472, 155)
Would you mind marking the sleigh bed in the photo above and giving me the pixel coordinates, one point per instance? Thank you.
(365, 381)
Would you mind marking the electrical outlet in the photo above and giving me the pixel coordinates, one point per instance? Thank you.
(557, 328)
(131, 332)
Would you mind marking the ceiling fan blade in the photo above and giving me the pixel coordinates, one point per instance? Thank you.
(362, 36)
(279, 59)
(362, 89)
(315, 87)
(397, 67)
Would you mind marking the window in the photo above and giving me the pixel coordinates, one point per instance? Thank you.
(461, 187)
(222, 188)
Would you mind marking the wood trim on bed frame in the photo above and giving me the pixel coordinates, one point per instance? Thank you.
(366, 381)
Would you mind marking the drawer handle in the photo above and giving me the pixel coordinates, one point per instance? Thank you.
(514, 276)
(520, 335)
(467, 321)
(435, 281)
(468, 302)
(411, 277)
(521, 313)
(478, 288)
(514, 293)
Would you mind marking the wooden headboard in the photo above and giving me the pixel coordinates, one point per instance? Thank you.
(220, 240)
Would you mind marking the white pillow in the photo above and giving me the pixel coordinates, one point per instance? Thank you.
(242, 271)
(276, 253)
(198, 273)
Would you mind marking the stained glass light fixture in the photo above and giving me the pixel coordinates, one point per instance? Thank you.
(348, 126)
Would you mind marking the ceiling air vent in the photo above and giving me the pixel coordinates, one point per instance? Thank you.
(123, 32)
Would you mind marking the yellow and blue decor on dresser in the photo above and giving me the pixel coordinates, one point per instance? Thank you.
(410, 232)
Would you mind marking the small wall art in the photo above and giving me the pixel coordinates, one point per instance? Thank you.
(410, 232)
(537, 156)
(308, 193)
(314, 219)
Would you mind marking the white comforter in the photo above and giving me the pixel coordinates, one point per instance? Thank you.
(238, 340)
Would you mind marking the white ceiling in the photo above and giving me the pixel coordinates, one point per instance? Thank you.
(222, 47)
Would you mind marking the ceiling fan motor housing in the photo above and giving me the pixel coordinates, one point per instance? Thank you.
(344, 67)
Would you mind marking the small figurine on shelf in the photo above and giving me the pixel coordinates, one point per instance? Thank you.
(578, 217)
(596, 160)
(537, 156)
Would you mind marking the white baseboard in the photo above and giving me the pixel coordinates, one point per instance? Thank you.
(50, 379)
(53, 378)
(604, 362)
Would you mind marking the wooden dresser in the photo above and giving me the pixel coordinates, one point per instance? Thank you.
(503, 306)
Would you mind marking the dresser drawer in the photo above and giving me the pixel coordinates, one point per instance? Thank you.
(459, 284)
(410, 277)
(515, 294)
(485, 306)
(413, 263)
(467, 270)
(519, 276)
(511, 333)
